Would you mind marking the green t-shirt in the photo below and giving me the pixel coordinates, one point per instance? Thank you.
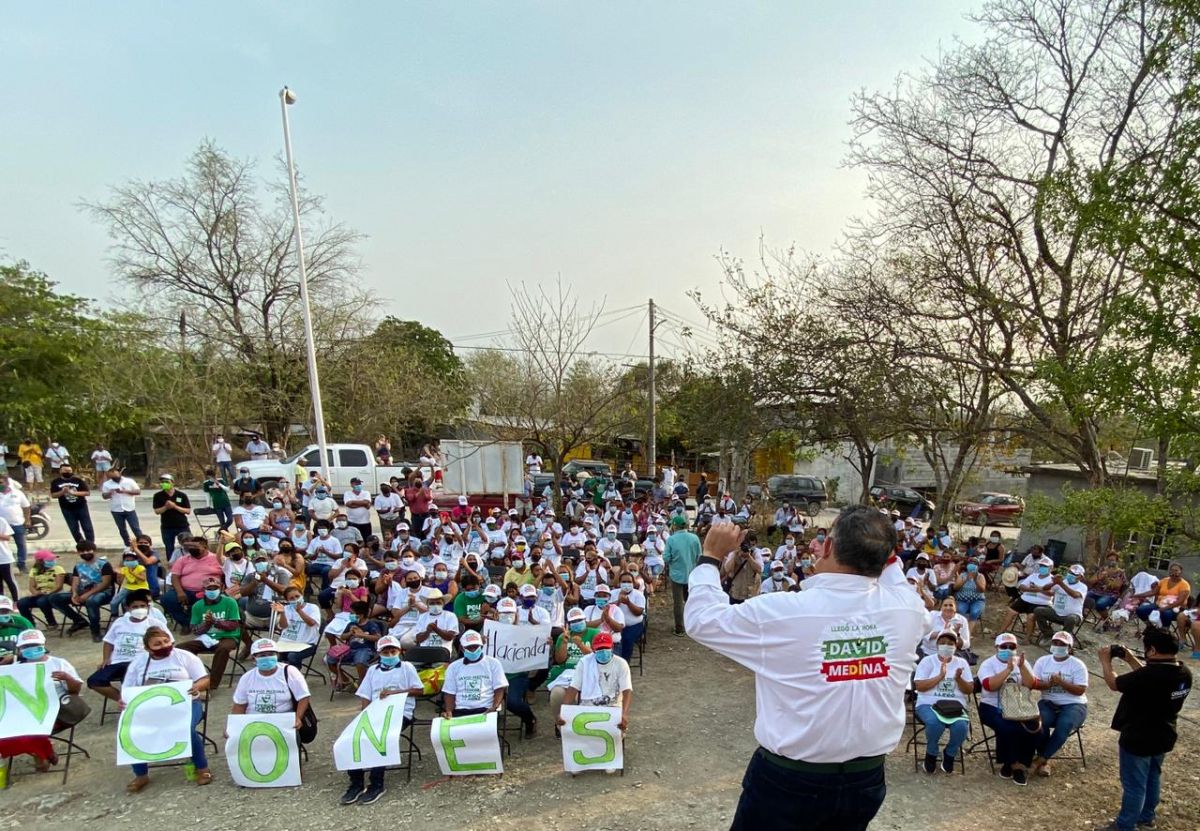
(468, 608)
(226, 608)
(216, 494)
(15, 626)
(574, 653)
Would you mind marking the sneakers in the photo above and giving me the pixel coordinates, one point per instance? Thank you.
(930, 764)
(947, 763)
(1019, 777)
(1006, 772)
(352, 794)
(372, 794)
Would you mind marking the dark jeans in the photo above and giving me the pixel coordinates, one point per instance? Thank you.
(1141, 778)
(224, 516)
(79, 523)
(225, 471)
(630, 635)
(518, 685)
(417, 526)
(6, 579)
(679, 595)
(297, 659)
(62, 603)
(169, 536)
(19, 542)
(127, 521)
(364, 528)
(198, 757)
(318, 570)
(372, 775)
(175, 610)
(45, 603)
(1059, 721)
(776, 798)
(221, 654)
(1014, 744)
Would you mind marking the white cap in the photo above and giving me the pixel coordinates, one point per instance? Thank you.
(777, 565)
(471, 638)
(512, 511)
(462, 500)
(506, 604)
(612, 529)
(1077, 569)
(6, 604)
(492, 590)
(263, 645)
(1063, 637)
(1046, 561)
(31, 637)
(1005, 637)
(388, 640)
(576, 614)
(402, 526)
(602, 589)
(527, 590)
(520, 541)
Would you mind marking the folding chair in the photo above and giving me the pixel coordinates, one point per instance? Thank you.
(408, 750)
(1076, 734)
(108, 707)
(208, 521)
(309, 670)
(69, 748)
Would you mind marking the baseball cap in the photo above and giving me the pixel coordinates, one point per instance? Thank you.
(576, 614)
(527, 590)
(1063, 637)
(512, 511)
(230, 546)
(603, 589)
(6, 605)
(462, 500)
(612, 529)
(471, 638)
(679, 521)
(1046, 561)
(1006, 637)
(43, 555)
(777, 566)
(354, 480)
(166, 477)
(211, 581)
(1077, 569)
(602, 641)
(492, 591)
(263, 645)
(388, 640)
(31, 637)
(520, 541)
(402, 526)
(506, 604)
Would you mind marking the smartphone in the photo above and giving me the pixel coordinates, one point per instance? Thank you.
(1116, 650)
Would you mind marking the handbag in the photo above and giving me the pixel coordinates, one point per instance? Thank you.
(1018, 704)
(949, 708)
(307, 731)
(339, 651)
(72, 709)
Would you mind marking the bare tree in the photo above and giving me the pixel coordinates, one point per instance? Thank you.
(215, 249)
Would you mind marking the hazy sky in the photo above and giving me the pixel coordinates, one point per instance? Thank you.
(620, 144)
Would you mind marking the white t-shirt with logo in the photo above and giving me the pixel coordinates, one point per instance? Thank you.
(1039, 582)
(398, 598)
(594, 615)
(1070, 668)
(271, 693)
(446, 621)
(474, 684)
(601, 684)
(994, 666)
(400, 678)
(125, 637)
(1064, 605)
(294, 627)
(178, 666)
(637, 598)
(947, 689)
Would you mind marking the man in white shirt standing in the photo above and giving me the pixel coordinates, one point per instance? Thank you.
(358, 507)
(121, 493)
(223, 455)
(845, 645)
(17, 510)
(257, 448)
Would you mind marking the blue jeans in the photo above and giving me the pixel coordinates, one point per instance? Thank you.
(1102, 602)
(934, 727)
(971, 609)
(18, 534)
(1059, 721)
(941, 593)
(127, 521)
(518, 685)
(775, 798)
(93, 605)
(319, 570)
(175, 610)
(297, 659)
(630, 635)
(198, 757)
(79, 523)
(1140, 781)
(1168, 615)
(225, 471)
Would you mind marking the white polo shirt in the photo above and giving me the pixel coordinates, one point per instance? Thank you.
(12, 506)
(119, 502)
(844, 645)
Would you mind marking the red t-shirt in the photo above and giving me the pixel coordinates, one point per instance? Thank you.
(418, 500)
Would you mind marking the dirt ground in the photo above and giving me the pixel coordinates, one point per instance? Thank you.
(689, 740)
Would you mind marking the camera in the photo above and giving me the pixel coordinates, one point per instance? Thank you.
(1116, 651)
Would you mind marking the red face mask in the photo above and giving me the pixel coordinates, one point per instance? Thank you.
(161, 653)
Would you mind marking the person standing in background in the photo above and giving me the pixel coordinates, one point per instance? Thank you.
(223, 455)
(29, 452)
(257, 449)
(72, 493)
(1151, 698)
(57, 456)
(845, 646)
(102, 462)
(679, 558)
(16, 509)
(121, 493)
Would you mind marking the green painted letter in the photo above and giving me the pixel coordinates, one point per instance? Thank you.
(449, 745)
(37, 702)
(123, 732)
(364, 729)
(579, 726)
(246, 762)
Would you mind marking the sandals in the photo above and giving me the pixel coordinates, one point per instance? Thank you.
(203, 777)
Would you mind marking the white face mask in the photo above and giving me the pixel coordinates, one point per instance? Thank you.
(139, 613)
(508, 617)
(945, 650)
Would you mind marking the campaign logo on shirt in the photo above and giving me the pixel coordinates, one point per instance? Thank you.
(853, 652)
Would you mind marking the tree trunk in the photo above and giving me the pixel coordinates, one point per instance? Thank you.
(1164, 446)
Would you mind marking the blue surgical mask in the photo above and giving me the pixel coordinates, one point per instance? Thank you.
(212, 594)
(820, 538)
(33, 653)
(277, 504)
(547, 590)
(1060, 651)
(603, 656)
(264, 539)
(1004, 655)
(1072, 578)
(972, 568)
(389, 661)
(129, 563)
(5, 618)
(473, 654)
(50, 563)
(577, 626)
(266, 663)
(261, 568)
(601, 602)
(1044, 571)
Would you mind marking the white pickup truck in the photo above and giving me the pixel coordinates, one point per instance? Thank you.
(475, 468)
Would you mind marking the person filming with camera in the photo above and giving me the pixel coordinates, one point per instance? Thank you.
(1151, 697)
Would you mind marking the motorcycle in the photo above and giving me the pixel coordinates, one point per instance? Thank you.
(39, 523)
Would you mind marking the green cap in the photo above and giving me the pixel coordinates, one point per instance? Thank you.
(679, 521)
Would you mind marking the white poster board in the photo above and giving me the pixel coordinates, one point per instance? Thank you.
(517, 648)
(156, 724)
(467, 746)
(28, 700)
(262, 751)
(372, 738)
(591, 739)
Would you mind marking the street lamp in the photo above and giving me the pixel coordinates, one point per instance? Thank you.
(286, 98)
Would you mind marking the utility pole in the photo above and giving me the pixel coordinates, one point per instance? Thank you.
(652, 457)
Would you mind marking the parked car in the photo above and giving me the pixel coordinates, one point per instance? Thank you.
(806, 491)
(589, 466)
(902, 499)
(991, 509)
